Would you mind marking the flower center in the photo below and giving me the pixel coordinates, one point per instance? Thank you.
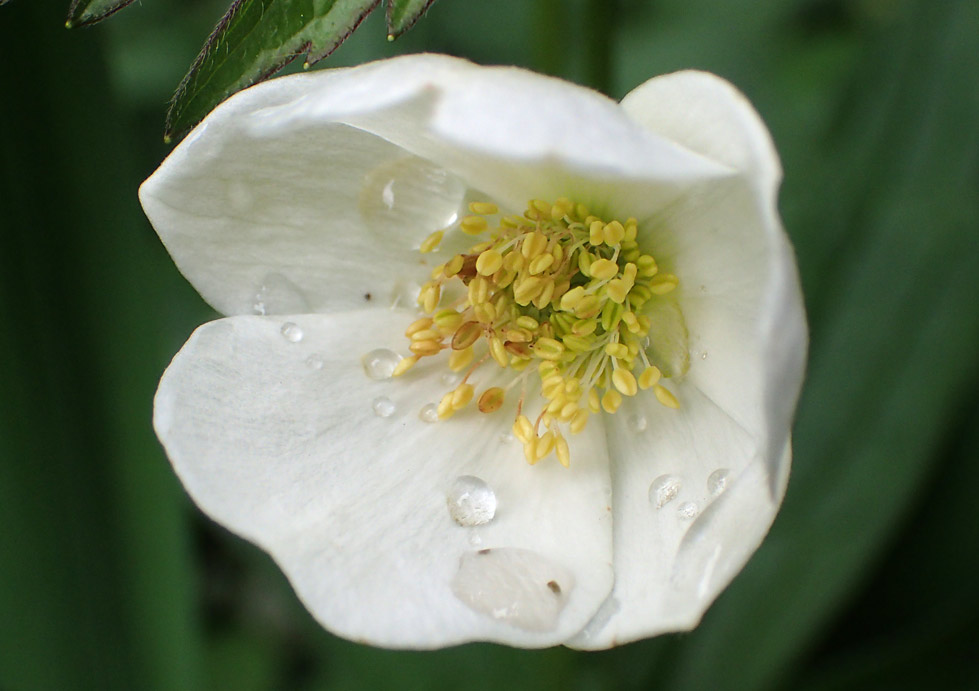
(560, 297)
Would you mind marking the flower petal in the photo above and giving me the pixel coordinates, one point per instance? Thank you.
(278, 434)
(740, 298)
(739, 286)
(510, 133)
(691, 504)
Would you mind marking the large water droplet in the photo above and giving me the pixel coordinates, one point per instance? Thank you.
(471, 501)
(517, 586)
(278, 295)
(429, 413)
(292, 332)
(383, 406)
(717, 481)
(380, 363)
(663, 490)
(410, 192)
(687, 510)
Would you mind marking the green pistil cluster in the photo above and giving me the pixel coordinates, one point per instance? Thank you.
(557, 293)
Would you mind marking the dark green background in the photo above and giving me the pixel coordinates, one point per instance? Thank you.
(109, 578)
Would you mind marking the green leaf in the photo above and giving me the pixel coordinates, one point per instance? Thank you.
(84, 12)
(255, 39)
(402, 15)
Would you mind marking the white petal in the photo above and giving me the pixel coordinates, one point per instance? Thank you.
(510, 133)
(677, 548)
(275, 436)
(739, 286)
(740, 297)
(307, 221)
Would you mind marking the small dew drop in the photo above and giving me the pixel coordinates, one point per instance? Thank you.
(429, 413)
(471, 501)
(663, 490)
(637, 423)
(449, 379)
(380, 363)
(506, 438)
(703, 355)
(292, 332)
(383, 406)
(717, 481)
(687, 510)
(315, 362)
(278, 295)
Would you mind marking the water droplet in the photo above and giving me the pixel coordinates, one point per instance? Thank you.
(410, 192)
(703, 355)
(506, 438)
(429, 413)
(292, 332)
(687, 510)
(663, 490)
(637, 423)
(717, 481)
(315, 362)
(383, 406)
(450, 378)
(278, 295)
(404, 294)
(516, 586)
(380, 363)
(471, 501)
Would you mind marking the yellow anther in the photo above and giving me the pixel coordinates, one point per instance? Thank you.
(544, 445)
(543, 298)
(629, 273)
(489, 262)
(603, 269)
(405, 365)
(568, 411)
(562, 451)
(491, 400)
(548, 349)
(581, 211)
(584, 263)
(625, 382)
(466, 335)
(418, 325)
(617, 290)
(666, 397)
(558, 253)
(461, 396)
(453, 266)
(431, 242)
(423, 348)
(614, 232)
(426, 335)
(428, 296)
(588, 307)
(584, 327)
(540, 263)
(483, 208)
(594, 402)
(579, 421)
(540, 205)
(513, 222)
(513, 261)
(533, 244)
(611, 401)
(617, 350)
(446, 321)
(631, 229)
(530, 450)
(460, 359)
(473, 225)
(484, 312)
(437, 272)
(523, 429)
(661, 284)
(498, 352)
(630, 319)
(526, 289)
(527, 322)
(646, 266)
(596, 233)
(562, 207)
(445, 409)
(577, 344)
(479, 290)
(571, 298)
(518, 335)
(649, 377)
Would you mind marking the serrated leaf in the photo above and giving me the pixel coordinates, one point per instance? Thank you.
(84, 12)
(402, 15)
(254, 40)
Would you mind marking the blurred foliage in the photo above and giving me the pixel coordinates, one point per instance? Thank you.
(110, 579)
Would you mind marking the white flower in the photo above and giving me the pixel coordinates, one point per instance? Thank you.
(309, 197)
